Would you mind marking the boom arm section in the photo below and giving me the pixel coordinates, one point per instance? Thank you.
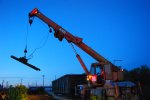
(61, 33)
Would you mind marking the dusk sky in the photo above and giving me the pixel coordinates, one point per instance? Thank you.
(116, 29)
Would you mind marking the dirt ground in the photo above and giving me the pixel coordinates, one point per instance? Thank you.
(39, 97)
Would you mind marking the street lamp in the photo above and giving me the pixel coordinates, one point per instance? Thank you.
(43, 79)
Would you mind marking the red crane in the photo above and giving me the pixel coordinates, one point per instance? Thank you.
(60, 33)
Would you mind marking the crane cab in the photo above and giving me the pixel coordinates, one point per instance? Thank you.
(103, 72)
(97, 72)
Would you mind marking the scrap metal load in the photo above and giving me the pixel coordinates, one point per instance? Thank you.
(25, 61)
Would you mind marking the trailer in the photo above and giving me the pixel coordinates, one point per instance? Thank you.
(66, 84)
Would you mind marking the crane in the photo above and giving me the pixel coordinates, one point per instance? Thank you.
(107, 81)
(61, 33)
(103, 78)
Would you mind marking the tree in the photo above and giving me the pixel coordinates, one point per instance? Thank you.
(17, 93)
(140, 74)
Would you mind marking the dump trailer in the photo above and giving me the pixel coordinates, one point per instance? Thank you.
(66, 84)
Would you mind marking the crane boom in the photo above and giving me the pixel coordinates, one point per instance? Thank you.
(68, 36)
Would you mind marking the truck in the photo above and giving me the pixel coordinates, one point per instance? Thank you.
(104, 80)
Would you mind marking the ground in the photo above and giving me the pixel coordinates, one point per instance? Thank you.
(39, 97)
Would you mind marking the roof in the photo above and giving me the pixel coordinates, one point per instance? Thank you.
(124, 84)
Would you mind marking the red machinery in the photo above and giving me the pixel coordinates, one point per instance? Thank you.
(110, 71)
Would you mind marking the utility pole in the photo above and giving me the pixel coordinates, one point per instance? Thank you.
(3, 84)
(36, 83)
(21, 81)
(7, 84)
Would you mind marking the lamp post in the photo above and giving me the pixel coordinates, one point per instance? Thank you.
(43, 79)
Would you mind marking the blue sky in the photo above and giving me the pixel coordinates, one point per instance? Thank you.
(116, 29)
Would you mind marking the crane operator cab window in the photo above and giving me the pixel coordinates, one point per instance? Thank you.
(99, 71)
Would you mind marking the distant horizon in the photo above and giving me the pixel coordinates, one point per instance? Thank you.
(35, 83)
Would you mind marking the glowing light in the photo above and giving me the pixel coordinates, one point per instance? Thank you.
(94, 78)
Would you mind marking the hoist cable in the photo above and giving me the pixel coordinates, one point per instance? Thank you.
(28, 23)
(26, 41)
(43, 44)
(27, 35)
